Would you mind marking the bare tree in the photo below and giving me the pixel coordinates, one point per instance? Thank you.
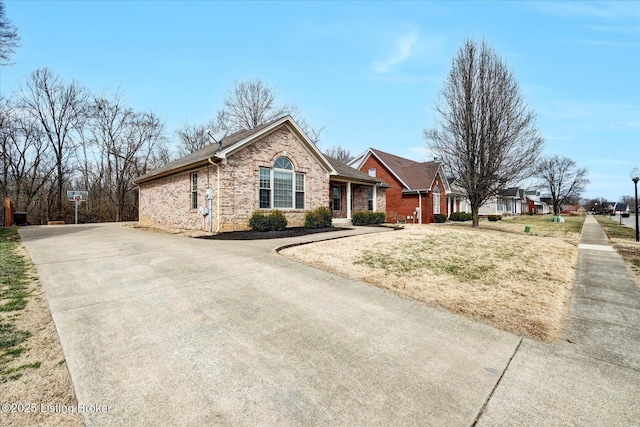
(252, 103)
(60, 109)
(4, 148)
(484, 131)
(597, 205)
(339, 153)
(126, 140)
(26, 162)
(191, 138)
(562, 178)
(9, 38)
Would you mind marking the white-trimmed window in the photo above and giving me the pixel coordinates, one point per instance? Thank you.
(265, 188)
(194, 191)
(337, 198)
(436, 200)
(372, 172)
(370, 198)
(299, 191)
(281, 187)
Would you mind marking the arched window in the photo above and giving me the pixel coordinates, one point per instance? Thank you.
(287, 186)
(283, 163)
(436, 200)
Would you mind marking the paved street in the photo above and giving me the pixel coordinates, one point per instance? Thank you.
(629, 222)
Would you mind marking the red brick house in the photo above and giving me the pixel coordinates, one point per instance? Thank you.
(418, 190)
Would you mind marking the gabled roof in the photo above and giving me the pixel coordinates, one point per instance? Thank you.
(345, 171)
(231, 144)
(514, 192)
(414, 176)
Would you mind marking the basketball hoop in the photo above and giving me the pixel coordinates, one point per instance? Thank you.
(77, 197)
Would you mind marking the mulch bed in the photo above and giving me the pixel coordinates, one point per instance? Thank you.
(258, 235)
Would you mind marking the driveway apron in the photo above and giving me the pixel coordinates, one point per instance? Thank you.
(169, 330)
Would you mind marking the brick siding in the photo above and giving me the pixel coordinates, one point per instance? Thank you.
(403, 205)
(167, 201)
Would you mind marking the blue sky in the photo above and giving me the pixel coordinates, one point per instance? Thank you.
(368, 71)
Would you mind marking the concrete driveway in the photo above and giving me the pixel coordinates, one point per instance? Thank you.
(169, 330)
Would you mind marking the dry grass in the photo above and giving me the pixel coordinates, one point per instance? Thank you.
(517, 282)
(623, 239)
(38, 373)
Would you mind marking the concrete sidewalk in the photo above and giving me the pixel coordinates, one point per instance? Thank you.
(592, 376)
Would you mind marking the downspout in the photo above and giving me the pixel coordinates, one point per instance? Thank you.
(217, 199)
(419, 207)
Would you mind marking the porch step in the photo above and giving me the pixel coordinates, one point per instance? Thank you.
(341, 222)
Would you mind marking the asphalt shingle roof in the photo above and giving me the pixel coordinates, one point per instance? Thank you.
(204, 153)
(416, 175)
(347, 171)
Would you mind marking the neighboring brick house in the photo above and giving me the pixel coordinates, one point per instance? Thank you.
(273, 166)
(417, 190)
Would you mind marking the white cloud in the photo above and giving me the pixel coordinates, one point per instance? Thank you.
(405, 46)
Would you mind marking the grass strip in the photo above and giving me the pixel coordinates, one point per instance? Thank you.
(15, 278)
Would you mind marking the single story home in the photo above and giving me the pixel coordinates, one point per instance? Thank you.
(457, 200)
(273, 166)
(417, 190)
(509, 201)
(536, 203)
(621, 208)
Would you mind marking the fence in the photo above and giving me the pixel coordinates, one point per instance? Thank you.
(7, 213)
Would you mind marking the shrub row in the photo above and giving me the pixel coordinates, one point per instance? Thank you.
(318, 218)
(494, 218)
(367, 218)
(275, 221)
(461, 216)
(440, 218)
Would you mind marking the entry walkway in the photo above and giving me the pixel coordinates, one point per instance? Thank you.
(592, 376)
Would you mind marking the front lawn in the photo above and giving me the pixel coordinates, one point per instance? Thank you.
(623, 239)
(495, 273)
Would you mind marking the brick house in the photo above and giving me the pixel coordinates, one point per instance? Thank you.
(273, 166)
(417, 190)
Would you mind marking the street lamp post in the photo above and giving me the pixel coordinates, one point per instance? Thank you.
(635, 177)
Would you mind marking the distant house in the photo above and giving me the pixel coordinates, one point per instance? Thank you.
(510, 201)
(418, 190)
(457, 200)
(274, 166)
(621, 208)
(536, 204)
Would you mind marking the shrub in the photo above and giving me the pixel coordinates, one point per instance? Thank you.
(273, 222)
(259, 222)
(277, 221)
(494, 218)
(440, 218)
(461, 216)
(367, 218)
(318, 218)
